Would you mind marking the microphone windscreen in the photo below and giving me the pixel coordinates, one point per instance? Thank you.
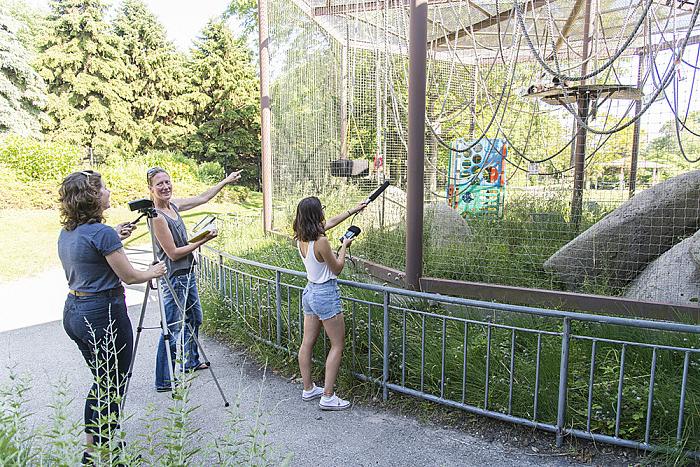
(379, 191)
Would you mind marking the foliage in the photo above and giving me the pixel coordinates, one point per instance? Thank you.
(225, 102)
(22, 90)
(32, 24)
(247, 12)
(32, 159)
(156, 73)
(210, 172)
(665, 147)
(86, 73)
(168, 439)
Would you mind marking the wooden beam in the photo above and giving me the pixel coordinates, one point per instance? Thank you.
(486, 22)
(566, 30)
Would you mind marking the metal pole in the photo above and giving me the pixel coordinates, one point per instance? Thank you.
(278, 305)
(266, 147)
(637, 126)
(563, 381)
(417, 46)
(582, 102)
(385, 360)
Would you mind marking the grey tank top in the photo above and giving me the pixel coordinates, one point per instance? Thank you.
(179, 232)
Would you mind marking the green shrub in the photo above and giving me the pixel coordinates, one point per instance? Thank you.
(210, 172)
(38, 160)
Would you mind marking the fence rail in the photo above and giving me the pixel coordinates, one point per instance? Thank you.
(629, 382)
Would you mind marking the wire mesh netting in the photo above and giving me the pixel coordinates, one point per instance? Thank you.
(562, 138)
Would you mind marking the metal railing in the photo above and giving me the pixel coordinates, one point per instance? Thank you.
(596, 377)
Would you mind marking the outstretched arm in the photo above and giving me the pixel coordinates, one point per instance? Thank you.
(184, 204)
(341, 217)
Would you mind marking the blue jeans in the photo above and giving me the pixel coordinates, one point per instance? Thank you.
(87, 321)
(185, 288)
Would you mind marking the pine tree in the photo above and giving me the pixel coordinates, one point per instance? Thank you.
(84, 68)
(226, 102)
(157, 77)
(22, 91)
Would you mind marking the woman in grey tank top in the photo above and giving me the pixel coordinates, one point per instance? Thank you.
(173, 248)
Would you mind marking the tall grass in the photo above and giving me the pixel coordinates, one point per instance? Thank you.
(420, 367)
(508, 251)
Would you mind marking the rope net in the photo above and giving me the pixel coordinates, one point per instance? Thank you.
(562, 138)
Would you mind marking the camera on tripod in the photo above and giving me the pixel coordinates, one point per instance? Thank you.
(145, 207)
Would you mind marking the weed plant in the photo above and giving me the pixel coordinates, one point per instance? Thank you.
(168, 437)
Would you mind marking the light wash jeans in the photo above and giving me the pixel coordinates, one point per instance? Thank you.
(185, 288)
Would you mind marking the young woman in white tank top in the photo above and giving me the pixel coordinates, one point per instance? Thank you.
(321, 297)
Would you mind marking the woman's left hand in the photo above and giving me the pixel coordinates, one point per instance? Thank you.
(233, 177)
(124, 230)
(359, 207)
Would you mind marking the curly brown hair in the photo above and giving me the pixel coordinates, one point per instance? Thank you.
(80, 197)
(308, 223)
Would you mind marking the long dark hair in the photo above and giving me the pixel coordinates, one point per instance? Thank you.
(80, 197)
(308, 223)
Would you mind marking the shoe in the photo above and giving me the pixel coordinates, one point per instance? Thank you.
(333, 403)
(314, 393)
(165, 389)
(201, 366)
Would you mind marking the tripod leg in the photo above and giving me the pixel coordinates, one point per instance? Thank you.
(139, 328)
(181, 307)
(167, 335)
(211, 370)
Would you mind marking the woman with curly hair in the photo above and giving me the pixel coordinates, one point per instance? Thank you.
(94, 315)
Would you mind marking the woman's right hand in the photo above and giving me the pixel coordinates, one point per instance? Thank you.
(348, 241)
(158, 269)
(210, 236)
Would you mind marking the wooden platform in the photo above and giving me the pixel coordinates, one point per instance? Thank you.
(568, 94)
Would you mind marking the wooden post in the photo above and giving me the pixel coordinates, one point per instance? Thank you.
(266, 146)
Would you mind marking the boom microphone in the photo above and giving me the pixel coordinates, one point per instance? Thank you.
(377, 192)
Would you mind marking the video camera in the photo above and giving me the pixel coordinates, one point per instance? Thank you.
(145, 207)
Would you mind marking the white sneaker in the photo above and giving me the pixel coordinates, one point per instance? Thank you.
(314, 393)
(333, 403)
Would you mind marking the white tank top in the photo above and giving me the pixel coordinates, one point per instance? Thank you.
(316, 272)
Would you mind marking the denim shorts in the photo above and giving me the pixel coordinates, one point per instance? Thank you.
(322, 300)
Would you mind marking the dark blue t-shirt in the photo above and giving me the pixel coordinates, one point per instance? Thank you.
(82, 252)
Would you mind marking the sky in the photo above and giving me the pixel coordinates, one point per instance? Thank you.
(183, 19)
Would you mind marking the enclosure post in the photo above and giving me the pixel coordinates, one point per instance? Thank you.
(582, 102)
(637, 125)
(344, 100)
(563, 381)
(266, 147)
(385, 360)
(278, 305)
(222, 286)
(417, 49)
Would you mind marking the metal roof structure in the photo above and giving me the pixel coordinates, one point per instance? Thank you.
(485, 28)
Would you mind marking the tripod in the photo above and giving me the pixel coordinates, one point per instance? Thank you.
(150, 213)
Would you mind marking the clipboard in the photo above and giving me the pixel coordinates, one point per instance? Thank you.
(203, 228)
